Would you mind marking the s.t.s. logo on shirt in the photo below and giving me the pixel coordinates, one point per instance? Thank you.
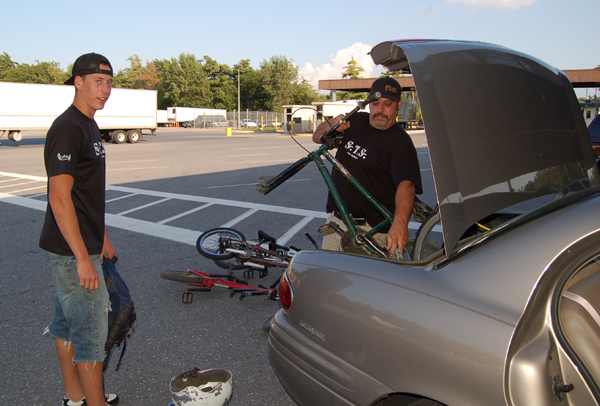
(99, 148)
(63, 157)
(355, 151)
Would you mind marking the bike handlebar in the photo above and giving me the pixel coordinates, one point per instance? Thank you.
(266, 185)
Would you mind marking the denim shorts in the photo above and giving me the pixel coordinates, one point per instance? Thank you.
(80, 315)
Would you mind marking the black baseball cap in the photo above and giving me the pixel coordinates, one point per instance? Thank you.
(388, 87)
(89, 63)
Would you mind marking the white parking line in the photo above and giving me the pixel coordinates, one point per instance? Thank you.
(185, 213)
(143, 206)
(251, 184)
(120, 197)
(283, 240)
(160, 229)
(18, 184)
(236, 220)
(136, 169)
(244, 155)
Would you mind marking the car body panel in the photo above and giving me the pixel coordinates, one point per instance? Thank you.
(460, 318)
(477, 325)
(502, 127)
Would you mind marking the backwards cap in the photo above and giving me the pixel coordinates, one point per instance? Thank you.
(388, 87)
(87, 64)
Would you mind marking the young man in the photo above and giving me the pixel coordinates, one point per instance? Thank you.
(382, 157)
(75, 236)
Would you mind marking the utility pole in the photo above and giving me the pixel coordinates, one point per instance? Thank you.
(239, 109)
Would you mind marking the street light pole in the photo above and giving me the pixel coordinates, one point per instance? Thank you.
(239, 109)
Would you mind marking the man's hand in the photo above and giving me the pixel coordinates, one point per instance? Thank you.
(88, 277)
(326, 125)
(108, 250)
(397, 237)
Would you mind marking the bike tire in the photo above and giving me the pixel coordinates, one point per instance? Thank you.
(181, 276)
(208, 243)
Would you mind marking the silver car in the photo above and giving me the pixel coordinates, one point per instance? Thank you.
(507, 311)
(247, 123)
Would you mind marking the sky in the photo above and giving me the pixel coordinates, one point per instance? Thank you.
(320, 37)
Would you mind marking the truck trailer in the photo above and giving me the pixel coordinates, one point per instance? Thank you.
(196, 116)
(28, 106)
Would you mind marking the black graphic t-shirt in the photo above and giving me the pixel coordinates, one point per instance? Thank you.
(74, 147)
(380, 160)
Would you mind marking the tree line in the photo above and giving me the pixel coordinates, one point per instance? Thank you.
(187, 81)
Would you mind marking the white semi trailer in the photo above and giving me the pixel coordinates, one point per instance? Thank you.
(27, 106)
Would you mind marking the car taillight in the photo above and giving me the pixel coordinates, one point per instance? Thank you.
(285, 293)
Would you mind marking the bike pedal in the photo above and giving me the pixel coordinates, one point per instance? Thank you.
(326, 229)
(187, 297)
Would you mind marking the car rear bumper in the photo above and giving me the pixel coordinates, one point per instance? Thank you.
(312, 376)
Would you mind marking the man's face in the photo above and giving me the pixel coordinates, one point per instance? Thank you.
(383, 113)
(94, 90)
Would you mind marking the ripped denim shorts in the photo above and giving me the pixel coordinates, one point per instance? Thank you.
(80, 315)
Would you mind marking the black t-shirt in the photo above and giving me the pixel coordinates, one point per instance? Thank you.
(74, 147)
(379, 160)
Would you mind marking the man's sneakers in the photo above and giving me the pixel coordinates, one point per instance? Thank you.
(111, 399)
(69, 402)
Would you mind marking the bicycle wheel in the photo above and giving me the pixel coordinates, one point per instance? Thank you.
(212, 243)
(428, 248)
(181, 276)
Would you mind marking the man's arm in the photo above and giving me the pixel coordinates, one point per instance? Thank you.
(63, 208)
(107, 248)
(398, 234)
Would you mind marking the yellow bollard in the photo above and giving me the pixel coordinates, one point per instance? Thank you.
(228, 132)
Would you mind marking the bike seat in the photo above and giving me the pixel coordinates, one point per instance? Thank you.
(264, 237)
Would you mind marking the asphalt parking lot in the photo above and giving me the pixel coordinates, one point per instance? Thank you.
(161, 194)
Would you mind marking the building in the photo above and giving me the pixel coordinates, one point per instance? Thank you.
(589, 111)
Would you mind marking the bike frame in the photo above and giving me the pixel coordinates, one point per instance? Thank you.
(236, 287)
(267, 185)
(254, 255)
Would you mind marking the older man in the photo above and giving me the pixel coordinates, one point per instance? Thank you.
(381, 156)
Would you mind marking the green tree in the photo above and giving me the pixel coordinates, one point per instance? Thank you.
(252, 91)
(392, 74)
(6, 64)
(353, 70)
(305, 93)
(220, 80)
(279, 75)
(40, 72)
(137, 76)
(182, 83)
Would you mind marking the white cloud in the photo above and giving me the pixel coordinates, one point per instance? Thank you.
(504, 4)
(334, 69)
(430, 10)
